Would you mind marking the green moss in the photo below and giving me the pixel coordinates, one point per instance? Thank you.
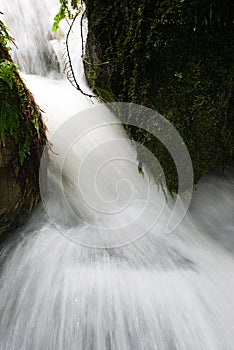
(22, 140)
(5, 38)
(7, 71)
(8, 121)
(19, 116)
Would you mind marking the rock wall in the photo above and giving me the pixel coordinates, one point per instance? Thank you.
(175, 57)
(22, 138)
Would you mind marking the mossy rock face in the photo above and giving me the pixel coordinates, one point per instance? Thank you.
(175, 57)
(22, 139)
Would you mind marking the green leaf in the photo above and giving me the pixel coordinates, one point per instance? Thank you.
(7, 71)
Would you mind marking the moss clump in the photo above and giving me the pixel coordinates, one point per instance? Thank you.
(22, 138)
(175, 57)
(20, 116)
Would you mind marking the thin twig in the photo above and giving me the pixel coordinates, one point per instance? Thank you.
(70, 74)
(81, 33)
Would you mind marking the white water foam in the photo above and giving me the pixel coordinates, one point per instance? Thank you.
(164, 292)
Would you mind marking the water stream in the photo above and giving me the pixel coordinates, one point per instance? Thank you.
(58, 289)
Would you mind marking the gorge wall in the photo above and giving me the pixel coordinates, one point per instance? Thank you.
(175, 57)
(22, 139)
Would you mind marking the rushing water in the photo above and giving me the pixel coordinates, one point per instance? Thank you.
(161, 292)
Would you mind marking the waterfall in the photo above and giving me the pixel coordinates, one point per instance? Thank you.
(61, 286)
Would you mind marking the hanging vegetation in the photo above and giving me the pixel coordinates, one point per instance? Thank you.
(22, 138)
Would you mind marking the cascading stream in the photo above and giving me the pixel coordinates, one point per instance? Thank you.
(58, 289)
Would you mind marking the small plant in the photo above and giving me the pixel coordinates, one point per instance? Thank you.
(7, 71)
(68, 10)
(179, 75)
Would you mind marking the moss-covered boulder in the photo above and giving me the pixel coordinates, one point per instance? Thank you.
(22, 138)
(175, 57)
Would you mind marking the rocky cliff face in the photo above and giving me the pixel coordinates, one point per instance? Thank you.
(22, 138)
(175, 57)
